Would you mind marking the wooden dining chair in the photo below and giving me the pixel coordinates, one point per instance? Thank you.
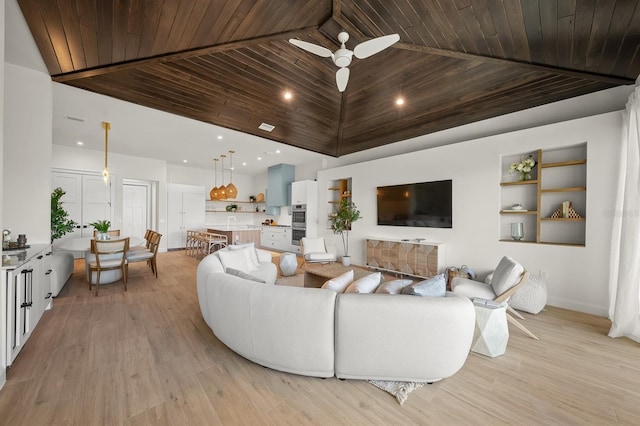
(110, 232)
(109, 255)
(147, 255)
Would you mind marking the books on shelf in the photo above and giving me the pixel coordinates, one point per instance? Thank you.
(515, 210)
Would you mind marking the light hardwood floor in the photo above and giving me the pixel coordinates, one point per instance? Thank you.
(146, 357)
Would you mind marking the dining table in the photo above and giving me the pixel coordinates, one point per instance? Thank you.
(83, 245)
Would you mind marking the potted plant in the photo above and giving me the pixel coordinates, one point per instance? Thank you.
(60, 222)
(341, 221)
(102, 226)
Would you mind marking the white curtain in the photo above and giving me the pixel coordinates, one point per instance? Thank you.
(624, 279)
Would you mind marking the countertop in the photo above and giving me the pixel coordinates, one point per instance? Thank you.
(13, 259)
(244, 227)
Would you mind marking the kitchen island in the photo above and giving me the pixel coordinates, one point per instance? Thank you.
(238, 234)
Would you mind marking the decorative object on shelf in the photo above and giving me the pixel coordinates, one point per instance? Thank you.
(523, 168)
(105, 173)
(260, 198)
(22, 240)
(517, 231)
(222, 190)
(102, 226)
(213, 194)
(232, 191)
(252, 198)
(341, 221)
(232, 207)
(565, 211)
(60, 222)
(516, 206)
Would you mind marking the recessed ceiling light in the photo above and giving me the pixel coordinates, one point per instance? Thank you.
(288, 95)
(185, 161)
(259, 158)
(400, 101)
(219, 136)
(80, 143)
(244, 164)
(277, 151)
(266, 127)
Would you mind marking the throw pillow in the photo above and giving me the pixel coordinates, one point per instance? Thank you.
(366, 284)
(434, 287)
(244, 275)
(251, 252)
(339, 283)
(236, 259)
(506, 275)
(393, 286)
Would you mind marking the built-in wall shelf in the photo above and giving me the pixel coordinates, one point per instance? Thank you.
(558, 179)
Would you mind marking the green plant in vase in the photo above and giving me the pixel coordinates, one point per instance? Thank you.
(341, 221)
(102, 226)
(60, 222)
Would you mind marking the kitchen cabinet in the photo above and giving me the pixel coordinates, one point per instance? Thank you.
(185, 210)
(277, 238)
(560, 176)
(279, 179)
(27, 292)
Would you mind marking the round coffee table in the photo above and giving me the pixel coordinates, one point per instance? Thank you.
(288, 264)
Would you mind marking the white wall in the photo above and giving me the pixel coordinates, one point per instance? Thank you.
(576, 276)
(27, 153)
(120, 167)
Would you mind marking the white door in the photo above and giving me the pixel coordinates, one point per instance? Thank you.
(96, 202)
(135, 203)
(174, 220)
(71, 184)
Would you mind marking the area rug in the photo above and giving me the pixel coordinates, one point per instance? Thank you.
(400, 390)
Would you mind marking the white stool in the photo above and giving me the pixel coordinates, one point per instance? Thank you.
(491, 334)
(288, 264)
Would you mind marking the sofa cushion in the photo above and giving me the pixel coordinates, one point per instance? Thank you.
(237, 259)
(506, 275)
(339, 283)
(435, 287)
(367, 284)
(244, 275)
(393, 286)
(250, 252)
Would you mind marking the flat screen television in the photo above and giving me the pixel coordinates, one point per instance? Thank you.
(425, 204)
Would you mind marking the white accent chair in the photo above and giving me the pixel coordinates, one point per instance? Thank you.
(508, 277)
(314, 250)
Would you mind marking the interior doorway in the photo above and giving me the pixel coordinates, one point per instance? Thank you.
(138, 207)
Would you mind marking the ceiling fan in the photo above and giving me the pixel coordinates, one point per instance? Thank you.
(342, 57)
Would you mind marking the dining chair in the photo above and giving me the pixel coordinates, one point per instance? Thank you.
(109, 255)
(110, 232)
(147, 256)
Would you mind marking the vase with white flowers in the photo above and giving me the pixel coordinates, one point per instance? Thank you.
(523, 168)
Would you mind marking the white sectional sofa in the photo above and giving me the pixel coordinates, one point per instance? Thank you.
(317, 332)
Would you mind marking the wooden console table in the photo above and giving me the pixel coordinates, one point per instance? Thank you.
(408, 257)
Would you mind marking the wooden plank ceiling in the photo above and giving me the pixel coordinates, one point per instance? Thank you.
(228, 63)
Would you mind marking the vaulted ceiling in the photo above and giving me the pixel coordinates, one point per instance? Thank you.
(229, 62)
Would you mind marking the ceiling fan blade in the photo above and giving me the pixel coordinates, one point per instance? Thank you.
(375, 45)
(310, 47)
(342, 78)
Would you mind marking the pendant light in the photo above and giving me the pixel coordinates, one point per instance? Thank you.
(222, 190)
(232, 191)
(213, 194)
(105, 173)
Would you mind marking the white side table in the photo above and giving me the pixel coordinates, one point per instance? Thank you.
(491, 334)
(288, 264)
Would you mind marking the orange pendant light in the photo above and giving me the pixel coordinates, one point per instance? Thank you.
(232, 191)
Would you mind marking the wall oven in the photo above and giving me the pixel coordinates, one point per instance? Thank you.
(299, 216)
(297, 234)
